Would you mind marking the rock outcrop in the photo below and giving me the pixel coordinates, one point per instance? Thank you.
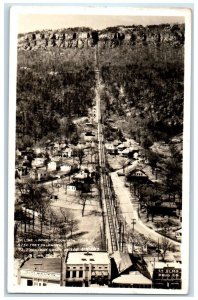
(107, 38)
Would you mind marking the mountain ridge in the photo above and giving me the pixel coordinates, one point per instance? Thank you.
(110, 37)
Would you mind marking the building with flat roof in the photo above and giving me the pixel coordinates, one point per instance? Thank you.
(165, 275)
(85, 268)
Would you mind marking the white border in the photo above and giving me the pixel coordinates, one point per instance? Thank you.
(186, 162)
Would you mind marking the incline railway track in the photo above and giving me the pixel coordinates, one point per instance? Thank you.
(110, 218)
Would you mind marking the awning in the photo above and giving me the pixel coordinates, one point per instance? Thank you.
(132, 278)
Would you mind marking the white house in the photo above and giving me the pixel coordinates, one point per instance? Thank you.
(125, 152)
(110, 148)
(65, 168)
(67, 152)
(74, 188)
(38, 162)
(51, 166)
(39, 174)
(71, 188)
(80, 176)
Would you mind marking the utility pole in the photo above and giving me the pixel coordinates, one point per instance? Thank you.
(133, 223)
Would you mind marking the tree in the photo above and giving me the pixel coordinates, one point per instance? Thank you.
(83, 199)
(174, 177)
(123, 163)
(35, 197)
(42, 208)
(165, 246)
(153, 158)
(73, 225)
(80, 154)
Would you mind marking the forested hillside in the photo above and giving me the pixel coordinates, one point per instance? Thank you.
(52, 87)
(142, 71)
(145, 85)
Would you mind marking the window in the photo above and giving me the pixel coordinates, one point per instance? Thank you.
(74, 274)
(74, 267)
(44, 284)
(68, 274)
(80, 274)
(29, 282)
(87, 268)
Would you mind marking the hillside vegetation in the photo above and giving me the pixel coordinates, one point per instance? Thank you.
(52, 87)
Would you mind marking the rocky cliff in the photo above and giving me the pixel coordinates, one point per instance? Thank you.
(107, 38)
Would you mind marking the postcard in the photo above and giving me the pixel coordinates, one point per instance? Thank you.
(99, 143)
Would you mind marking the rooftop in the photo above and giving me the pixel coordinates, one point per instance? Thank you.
(122, 260)
(161, 265)
(82, 257)
(43, 264)
(132, 278)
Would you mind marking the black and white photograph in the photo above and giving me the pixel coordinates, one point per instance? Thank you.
(99, 144)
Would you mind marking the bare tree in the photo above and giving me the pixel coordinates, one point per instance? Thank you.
(83, 198)
(123, 162)
(165, 246)
(73, 225)
(43, 212)
(80, 154)
(34, 197)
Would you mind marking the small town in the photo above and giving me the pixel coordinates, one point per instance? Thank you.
(97, 204)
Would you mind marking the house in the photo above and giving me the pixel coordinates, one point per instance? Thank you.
(80, 177)
(56, 146)
(129, 271)
(178, 234)
(21, 171)
(120, 148)
(39, 174)
(85, 268)
(40, 272)
(137, 175)
(89, 136)
(38, 162)
(133, 279)
(122, 261)
(125, 152)
(67, 152)
(111, 149)
(116, 143)
(52, 166)
(65, 168)
(74, 188)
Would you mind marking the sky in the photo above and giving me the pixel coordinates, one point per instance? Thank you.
(32, 22)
